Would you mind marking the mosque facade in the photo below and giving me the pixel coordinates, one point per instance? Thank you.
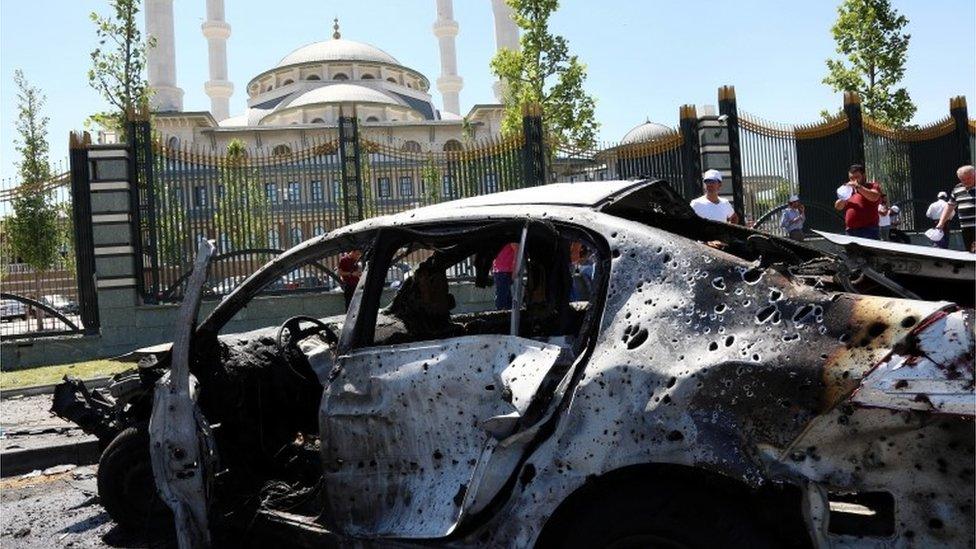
(299, 100)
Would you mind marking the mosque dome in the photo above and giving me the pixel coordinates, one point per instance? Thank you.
(648, 131)
(341, 93)
(336, 49)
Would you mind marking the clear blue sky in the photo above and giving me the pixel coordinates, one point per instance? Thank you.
(645, 58)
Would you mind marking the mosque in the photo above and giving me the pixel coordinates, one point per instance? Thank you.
(287, 104)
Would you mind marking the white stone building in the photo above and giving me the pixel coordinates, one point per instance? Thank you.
(298, 101)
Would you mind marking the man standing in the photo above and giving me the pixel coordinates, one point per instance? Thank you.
(963, 199)
(711, 205)
(859, 202)
(502, 269)
(794, 216)
(935, 214)
(349, 273)
(884, 218)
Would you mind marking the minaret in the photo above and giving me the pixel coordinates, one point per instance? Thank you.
(449, 83)
(161, 59)
(506, 37)
(216, 31)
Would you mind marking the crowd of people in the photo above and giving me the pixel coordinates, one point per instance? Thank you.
(865, 207)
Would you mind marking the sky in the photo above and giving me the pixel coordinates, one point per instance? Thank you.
(645, 58)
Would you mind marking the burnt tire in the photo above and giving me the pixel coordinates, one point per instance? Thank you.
(125, 483)
(661, 517)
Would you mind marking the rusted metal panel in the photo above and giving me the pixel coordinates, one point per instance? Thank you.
(405, 427)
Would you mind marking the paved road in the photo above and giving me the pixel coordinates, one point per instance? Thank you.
(57, 510)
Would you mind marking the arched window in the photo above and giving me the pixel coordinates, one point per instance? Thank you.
(318, 121)
(268, 88)
(296, 235)
(318, 231)
(286, 82)
(313, 77)
(411, 146)
(452, 145)
(280, 150)
(273, 240)
(391, 79)
(340, 76)
(372, 119)
(367, 76)
(409, 85)
(173, 142)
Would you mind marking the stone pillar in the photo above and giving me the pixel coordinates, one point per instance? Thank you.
(161, 59)
(506, 37)
(219, 88)
(449, 84)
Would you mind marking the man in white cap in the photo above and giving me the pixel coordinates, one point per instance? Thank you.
(935, 213)
(711, 205)
(794, 216)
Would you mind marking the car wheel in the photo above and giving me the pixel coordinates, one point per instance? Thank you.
(125, 483)
(662, 518)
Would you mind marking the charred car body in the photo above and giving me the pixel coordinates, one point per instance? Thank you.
(708, 386)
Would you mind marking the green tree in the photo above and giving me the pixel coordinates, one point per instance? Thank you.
(430, 177)
(243, 210)
(544, 72)
(119, 63)
(870, 37)
(33, 227)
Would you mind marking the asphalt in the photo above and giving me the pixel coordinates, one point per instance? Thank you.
(31, 438)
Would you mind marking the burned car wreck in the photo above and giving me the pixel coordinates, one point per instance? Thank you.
(707, 386)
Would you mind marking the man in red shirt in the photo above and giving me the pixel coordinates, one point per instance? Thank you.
(861, 208)
(349, 273)
(502, 269)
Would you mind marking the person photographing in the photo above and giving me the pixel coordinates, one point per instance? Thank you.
(858, 200)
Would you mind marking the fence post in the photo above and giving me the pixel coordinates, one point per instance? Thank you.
(81, 214)
(960, 114)
(727, 107)
(533, 149)
(352, 181)
(690, 153)
(855, 126)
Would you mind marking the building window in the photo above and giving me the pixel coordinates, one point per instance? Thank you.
(340, 76)
(313, 77)
(286, 82)
(336, 191)
(447, 186)
(280, 150)
(294, 191)
(296, 236)
(452, 145)
(199, 197)
(315, 191)
(372, 119)
(273, 240)
(406, 186)
(410, 146)
(383, 187)
(318, 121)
(318, 230)
(491, 183)
(367, 76)
(173, 143)
(271, 193)
(391, 79)
(224, 241)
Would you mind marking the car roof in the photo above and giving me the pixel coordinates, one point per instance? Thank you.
(586, 194)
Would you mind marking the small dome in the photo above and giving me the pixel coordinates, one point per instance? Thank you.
(337, 49)
(340, 93)
(648, 131)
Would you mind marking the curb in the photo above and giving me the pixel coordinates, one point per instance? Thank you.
(49, 389)
(18, 462)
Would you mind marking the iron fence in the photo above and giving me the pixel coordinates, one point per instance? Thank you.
(43, 301)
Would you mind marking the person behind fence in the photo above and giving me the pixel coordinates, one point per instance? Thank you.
(934, 212)
(859, 202)
(794, 216)
(502, 269)
(710, 205)
(884, 218)
(963, 199)
(349, 273)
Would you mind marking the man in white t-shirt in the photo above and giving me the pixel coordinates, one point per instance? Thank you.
(711, 205)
